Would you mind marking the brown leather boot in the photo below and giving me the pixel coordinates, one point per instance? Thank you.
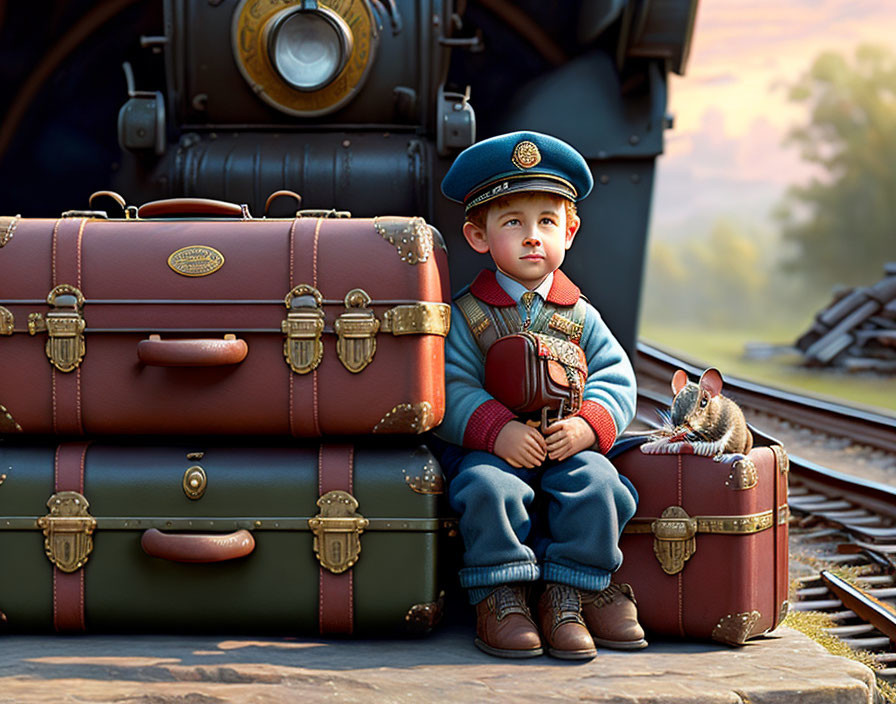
(562, 625)
(504, 626)
(612, 617)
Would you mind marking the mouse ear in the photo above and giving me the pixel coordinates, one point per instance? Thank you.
(679, 380)
(712, 381)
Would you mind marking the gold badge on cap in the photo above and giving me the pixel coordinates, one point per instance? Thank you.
(525, 155)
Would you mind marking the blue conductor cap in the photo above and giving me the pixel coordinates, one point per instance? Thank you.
(517, 161)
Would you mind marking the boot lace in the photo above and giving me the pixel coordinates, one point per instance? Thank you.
(509, 600)
(566, 603)
(605, 596)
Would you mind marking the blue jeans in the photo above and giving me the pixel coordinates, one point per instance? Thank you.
(560, 522)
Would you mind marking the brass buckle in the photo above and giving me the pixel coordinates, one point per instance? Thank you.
(67, 530)
(356, 331)
(337, 530)
(65, 326)
(674, 540)
(303, 328)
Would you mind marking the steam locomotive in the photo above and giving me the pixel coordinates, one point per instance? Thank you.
(357, 105)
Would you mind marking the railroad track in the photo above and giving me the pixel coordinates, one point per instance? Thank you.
(843, 527)
(843, 539)
(861, 426)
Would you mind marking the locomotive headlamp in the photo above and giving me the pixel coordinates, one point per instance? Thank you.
(309, 48)
(307, 57)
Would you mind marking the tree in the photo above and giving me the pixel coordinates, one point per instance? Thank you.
(716, 279)
(842, 224)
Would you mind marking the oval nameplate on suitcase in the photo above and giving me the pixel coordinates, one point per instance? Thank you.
(196, 260)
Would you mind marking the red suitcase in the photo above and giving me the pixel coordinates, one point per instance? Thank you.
(706, 552)
(305, 326)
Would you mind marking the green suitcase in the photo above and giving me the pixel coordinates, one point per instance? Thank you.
(308, 539)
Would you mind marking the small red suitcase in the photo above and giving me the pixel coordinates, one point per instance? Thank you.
(707, 552)
(209, 324)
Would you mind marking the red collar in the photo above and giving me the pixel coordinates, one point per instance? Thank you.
(487, 289)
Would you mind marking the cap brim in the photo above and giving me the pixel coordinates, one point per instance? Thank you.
(543, 183)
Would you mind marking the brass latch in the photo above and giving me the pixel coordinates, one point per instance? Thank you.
(674, 539)
(356, 331)
(67, 530)
(337, 530)
(194, 483)
(65, 326)
(674, 533)
(7, 321)
(303, 328)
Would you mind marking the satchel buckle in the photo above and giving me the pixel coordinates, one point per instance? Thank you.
(337, 530)
(67, 530)
(303, 327)
(65, 326)
(674, 539)
(356, 331)
(545, 422)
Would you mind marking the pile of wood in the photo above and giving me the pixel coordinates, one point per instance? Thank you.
(857, 331)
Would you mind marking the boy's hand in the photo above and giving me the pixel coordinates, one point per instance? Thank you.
(567, 437)
(520, 445)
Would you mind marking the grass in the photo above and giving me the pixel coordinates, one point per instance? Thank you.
(724, 349)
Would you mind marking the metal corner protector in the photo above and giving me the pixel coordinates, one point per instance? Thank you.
(412, 237)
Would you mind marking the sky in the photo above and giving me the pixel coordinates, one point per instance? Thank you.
(725, 154)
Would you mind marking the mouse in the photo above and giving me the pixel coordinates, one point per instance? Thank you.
(700, 421)
(713, 423)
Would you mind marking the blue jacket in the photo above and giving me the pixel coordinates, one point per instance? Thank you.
(473, 418)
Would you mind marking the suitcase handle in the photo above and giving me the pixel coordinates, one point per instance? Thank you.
(192, 353)
(192, 208)
(193, 547)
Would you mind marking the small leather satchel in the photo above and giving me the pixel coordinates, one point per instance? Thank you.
(534, 374)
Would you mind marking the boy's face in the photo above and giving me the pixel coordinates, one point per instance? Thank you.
(526, 234)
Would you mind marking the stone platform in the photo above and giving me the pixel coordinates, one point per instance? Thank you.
(444, 667)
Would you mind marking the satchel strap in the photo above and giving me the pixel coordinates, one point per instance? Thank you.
(570, 323)
(478, 321)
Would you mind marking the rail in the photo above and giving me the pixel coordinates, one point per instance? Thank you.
(863, 426)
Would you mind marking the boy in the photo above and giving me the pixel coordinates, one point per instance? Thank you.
(509, 482)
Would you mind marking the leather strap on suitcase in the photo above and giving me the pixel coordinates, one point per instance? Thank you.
(66, 270)
(68, 587)
(335, 470)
